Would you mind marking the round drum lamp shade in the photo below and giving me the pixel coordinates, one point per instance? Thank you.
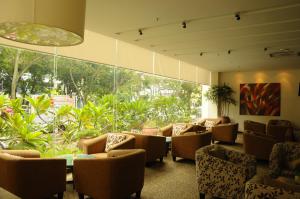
(43, 22)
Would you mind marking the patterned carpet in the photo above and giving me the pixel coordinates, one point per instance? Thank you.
(167, 180)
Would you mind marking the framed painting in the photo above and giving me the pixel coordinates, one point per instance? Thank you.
(260, 99)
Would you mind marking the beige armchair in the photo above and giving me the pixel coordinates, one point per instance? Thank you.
(225, 132)
(167, 131)
(97, 145)
(185, 145)
(222, 173)
(117, 176)
(27, 176)
(155, 146)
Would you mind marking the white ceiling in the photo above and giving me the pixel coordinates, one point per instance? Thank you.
(211, 29)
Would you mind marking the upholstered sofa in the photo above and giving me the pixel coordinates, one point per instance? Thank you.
(118, 175)
(222, 173)
(225, 132)
(155, 146)
(26, 175)
(185, 145)
(99, 145)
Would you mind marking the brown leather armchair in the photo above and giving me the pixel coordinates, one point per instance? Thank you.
(258, 145)
(185, 145)
(155, 146)
(167, 131)
(225, 132)
(27, 176)
(279, 128)
(254, 126)
(97, 145)
(117, 176)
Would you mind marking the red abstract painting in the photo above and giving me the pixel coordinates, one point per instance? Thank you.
(260, 99)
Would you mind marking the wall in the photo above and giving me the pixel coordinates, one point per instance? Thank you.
(290, 101)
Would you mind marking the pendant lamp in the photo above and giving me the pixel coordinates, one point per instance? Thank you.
(43, 22)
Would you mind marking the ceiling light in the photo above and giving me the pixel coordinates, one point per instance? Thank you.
(43, 22)
(183, 24)
(201, 54)
(229, 51)
(265, 49)
(140, 32)
(237, 16)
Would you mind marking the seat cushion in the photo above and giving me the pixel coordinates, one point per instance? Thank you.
(114, 139)
(209, 123)
(100, 155)
(178, 128)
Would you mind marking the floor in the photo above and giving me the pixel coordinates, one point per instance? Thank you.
(167, 180)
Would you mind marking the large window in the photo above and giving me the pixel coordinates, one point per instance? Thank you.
(49, 102)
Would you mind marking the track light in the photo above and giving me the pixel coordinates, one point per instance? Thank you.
(237, 16)
(201, 54)
(229, 51)
(140, 32)
(183, 24)
(265, 49)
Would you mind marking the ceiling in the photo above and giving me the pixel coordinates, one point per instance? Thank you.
(213, 38)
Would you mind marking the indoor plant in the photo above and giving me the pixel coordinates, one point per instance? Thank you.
(221, 95)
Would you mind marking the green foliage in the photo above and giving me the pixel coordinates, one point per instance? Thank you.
(222, 96)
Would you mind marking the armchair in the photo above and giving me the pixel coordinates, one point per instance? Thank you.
(223, 175)
(168, 131)
(255, 126)
(118, 175)
(225, 132)
(27, 176)
(155, 146)
(279, 129)
(97, 145)
(256, 188)
(258, 145)
(185, 145)
(281, 158)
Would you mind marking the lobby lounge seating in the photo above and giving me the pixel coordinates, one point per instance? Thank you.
(225, 132)
(27, 176)
(117, 176)
(253, 126)
(97, 146)
(282, 130)
(258, 144)
(155, 146)
(222, 173)
(185, 145)
(180, 128)
(279, 183)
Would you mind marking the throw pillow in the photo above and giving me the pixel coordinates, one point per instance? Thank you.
(113, 139)
(177, 128)
(209, 123)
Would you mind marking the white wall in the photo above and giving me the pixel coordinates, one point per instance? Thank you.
(290, 101)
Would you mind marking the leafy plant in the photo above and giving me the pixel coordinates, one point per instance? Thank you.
(221, 96)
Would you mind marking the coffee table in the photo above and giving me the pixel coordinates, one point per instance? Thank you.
(70, 162)
(168, 142)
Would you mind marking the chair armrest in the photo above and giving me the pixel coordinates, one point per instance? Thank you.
(126, 144)
(23, 153)
(47, 176)
(94, 145)
(167, 130)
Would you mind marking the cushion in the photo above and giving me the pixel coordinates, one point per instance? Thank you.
(113, 139)
(178, 128)
(294, 164)
(218, 153)
(209, 123)
(282, 183)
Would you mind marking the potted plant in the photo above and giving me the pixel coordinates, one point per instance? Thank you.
(221, 95)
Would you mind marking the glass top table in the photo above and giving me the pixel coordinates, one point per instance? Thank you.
(70, 158)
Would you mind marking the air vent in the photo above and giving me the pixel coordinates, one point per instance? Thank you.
(284, 53)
